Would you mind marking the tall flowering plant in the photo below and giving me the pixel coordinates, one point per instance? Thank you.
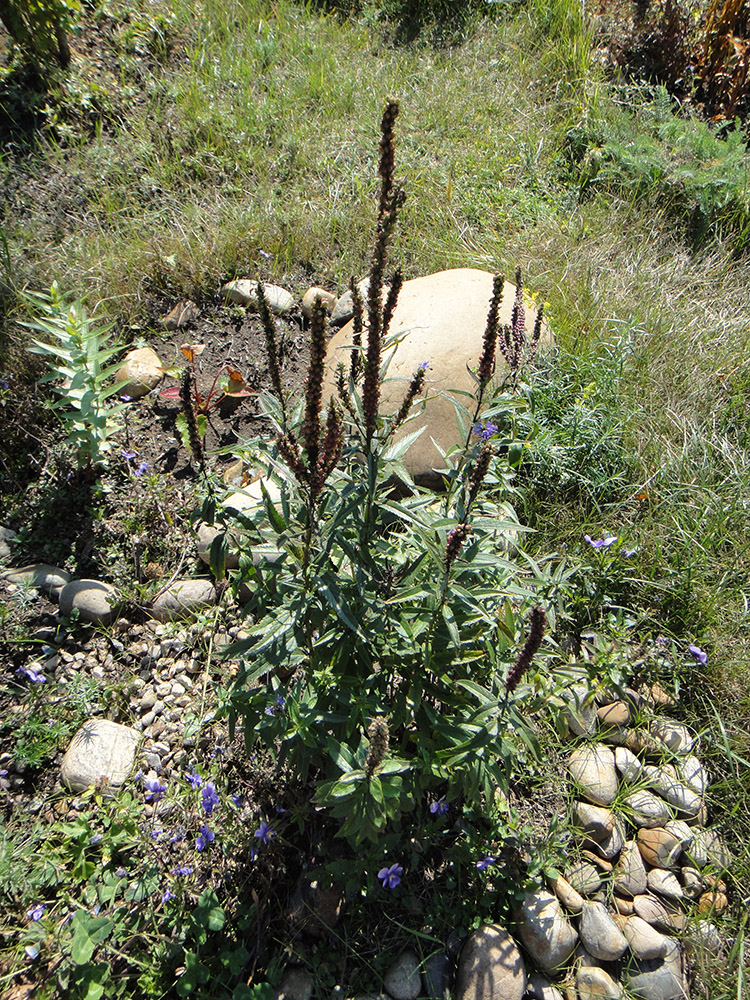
(383, 660)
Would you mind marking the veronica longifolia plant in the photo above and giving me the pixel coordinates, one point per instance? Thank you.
(385, 627)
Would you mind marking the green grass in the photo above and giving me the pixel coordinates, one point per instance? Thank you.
(232, 139)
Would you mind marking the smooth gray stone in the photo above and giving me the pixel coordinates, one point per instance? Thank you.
(42, 576)
(658, 979)
(184, 599)
(101, 751)
(95, 602)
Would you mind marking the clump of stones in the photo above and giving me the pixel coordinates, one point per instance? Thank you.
(643, 881)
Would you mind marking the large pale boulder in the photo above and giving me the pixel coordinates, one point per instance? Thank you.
(440, 319)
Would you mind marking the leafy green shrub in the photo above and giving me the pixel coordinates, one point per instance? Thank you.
(383, 665)
(77, 359)
(679, 165)
(38, 27)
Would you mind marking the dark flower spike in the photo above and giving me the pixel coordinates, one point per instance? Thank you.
(187, 391)
(290, 452)
(355, 366)
(518, 322)
(479, 471)
(314, 384)
(333, 442)
(387, 157)
(415, 387)
(489, 341)
(390, 304)
(269, 332)
(456, 539)
(533, 642)
(536, 335)
(343, 389)
(379, 738)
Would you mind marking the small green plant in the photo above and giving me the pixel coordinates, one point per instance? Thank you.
(77, 357)
(197, 405)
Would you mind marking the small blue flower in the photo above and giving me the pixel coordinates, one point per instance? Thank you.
(698, 653)
(206, 837)
(182, 870)
(194, 779)
(485, 863)
(485, 431)
(154, 789)
(391, 877)
(35, 676)
(32, 951)
(264, 833)
(236, 801)
(439, 807)
(121, 873)
(143, 467)
(155, 834)
(166, 896)
(36, 912)
(424, 366)
(126, 399)
(128, 455)
(278, 705)
(210, 799)
(601, 543)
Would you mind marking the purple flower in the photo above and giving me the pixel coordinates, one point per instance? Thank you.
(128, 454)
(439, 807)
(278, 705)
(155, 834)
(126, 398)
(601, 543)
(35, 676)
(485, 863)
(391, 877)
(4, 383)
(122, 873)
(194, 779)
(698, 653)
(485, 431)
(206, 837)
(264, 833)
(166, 896)
(154, 789)
(182, 870)
(36, 912)
(141, 469)
(210, 798)
(424, 366)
